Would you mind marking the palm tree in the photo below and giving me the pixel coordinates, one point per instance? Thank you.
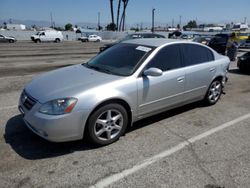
(112, 10)
(118, 14)
(122, 22)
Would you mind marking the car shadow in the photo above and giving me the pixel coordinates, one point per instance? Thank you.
(30, 146)
(164, 115)
(237, 71)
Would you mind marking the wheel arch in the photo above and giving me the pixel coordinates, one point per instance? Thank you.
(110, 101)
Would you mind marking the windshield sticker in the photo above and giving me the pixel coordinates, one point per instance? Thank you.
(143, 48)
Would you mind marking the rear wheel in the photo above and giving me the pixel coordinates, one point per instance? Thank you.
(107, 124)
(57, 40)
(214, 92)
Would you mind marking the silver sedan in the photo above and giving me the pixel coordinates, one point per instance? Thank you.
(125, 83)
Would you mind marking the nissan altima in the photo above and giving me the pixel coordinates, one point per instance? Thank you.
(125, 83)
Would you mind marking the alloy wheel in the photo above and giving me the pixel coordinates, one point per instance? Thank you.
(214, 92)
(108, 125)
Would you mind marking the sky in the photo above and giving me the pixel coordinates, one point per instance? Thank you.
(138, 11)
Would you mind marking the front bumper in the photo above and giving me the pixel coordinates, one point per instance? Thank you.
(55, 128)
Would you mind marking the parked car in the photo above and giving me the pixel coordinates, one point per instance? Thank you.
(94, 38)
(219, 43)
(174, 35)
(83, 39)
(203, 39)
(47, 36)
(241, 36)
(243, 62)
(245, 44)
(127, 82)
(9, 39)
(132, 36)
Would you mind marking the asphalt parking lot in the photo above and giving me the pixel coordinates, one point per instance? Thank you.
(192, 146)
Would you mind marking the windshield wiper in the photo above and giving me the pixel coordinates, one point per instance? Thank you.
(98, 68)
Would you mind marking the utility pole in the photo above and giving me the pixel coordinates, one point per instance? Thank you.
(180, 22)
(153, 19)
(99, 27)
(51, 20)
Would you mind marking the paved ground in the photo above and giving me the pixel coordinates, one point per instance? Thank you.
(192, 146)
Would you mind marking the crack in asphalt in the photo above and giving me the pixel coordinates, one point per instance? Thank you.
(194, 154)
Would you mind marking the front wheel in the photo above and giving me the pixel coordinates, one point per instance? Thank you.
(214, 92)
(57, 40)
(107, 124)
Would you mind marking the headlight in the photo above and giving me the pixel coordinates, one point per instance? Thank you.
(58, 106)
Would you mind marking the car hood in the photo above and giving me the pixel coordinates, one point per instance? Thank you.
(66, 82)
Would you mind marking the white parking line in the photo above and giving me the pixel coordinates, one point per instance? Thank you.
(116, 177)
(6, 77)
(8, 107)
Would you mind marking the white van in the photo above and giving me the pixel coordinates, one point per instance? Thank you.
(47, 36)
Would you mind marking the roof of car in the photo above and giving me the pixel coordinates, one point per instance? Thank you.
(156, 42)
(143, 33)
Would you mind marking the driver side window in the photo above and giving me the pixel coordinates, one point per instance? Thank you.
(168, 58)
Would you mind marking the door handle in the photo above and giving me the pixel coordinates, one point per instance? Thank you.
(180, 79)
(212, 69)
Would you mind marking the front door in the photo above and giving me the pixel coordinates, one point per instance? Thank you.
(160, 92)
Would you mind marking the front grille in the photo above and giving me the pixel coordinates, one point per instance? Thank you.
(27, 100)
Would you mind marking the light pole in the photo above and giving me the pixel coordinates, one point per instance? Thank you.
(98, 21)
(153, 19)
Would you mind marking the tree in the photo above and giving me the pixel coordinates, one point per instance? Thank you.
(191, 24)
(112, 10)
(111, 27)
(122, 21)
(4, 25)
(118, 14)
(68, 27)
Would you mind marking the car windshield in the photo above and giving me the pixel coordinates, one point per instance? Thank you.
(122, 59)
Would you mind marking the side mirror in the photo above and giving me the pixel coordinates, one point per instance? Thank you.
(153, 72)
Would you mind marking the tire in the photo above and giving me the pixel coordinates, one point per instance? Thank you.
(107, 124)
(11, 41)
(37, 41)
(57, 40)
(98, 40)
(214, 92)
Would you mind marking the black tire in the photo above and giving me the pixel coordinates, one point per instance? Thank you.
(214, 92)
(11, 41)
(98, 40)
(57, 40)
(37, 41)
(106, 124)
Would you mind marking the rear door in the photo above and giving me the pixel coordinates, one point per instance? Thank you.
(200, 69)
